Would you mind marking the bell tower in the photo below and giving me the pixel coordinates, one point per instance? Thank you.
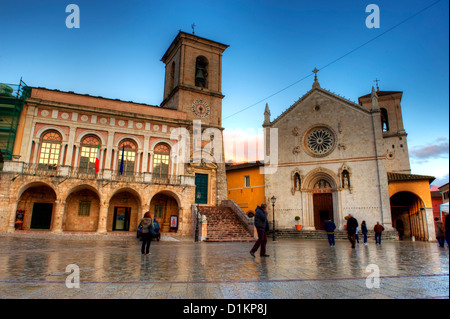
(193, 80)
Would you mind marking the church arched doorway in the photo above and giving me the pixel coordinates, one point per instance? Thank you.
(322, 203)
(408, 211)
(164, 208)
(321, 199)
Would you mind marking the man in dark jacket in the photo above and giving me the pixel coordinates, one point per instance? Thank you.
(330, 226)
(262, 227)
(352, 224)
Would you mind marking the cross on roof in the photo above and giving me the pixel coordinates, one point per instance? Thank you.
(376, 80)
(193, 28)
(315, 73)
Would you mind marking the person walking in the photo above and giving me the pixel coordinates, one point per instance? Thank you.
(262, 227)
(330, 226)
(378, 229)
(146, 223)
(352, 224)
(157, 229)
(364, 231)
(356, 235)
(440, 232)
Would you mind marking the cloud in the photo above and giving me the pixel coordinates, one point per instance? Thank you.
(439, 149)
(441, 180)
(243, 145)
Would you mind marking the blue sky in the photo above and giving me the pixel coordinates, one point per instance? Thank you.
(116, 53)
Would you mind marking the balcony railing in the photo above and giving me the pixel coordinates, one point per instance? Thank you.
(89, 174)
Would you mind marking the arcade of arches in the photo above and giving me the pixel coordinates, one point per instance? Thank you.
(82, 210)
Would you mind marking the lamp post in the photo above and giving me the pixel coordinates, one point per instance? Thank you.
(273, 200)
(197, 197)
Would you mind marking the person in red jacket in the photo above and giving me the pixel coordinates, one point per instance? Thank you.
(378, 229)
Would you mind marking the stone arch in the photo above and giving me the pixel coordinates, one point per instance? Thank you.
(82, 208)
(164, 206)
(321, 194)
(409, 208)
(52, 128)
(94, 133)
(124, 210)
(23, 188)
(37, 202)
(132, 138)
(320, 173)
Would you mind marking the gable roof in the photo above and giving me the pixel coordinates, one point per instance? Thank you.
(326, 92)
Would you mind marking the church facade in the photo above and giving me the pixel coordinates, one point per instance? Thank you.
(334, 157)
(83, 163)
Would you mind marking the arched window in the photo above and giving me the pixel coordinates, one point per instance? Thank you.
(161, 158)
(201, 72)
(50, 150)
(384, 120)
(89, 149)
(127, 157)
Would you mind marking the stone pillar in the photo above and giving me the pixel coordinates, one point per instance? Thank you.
(58, 216)
(36, 152)
(102, 218)
(12, 216)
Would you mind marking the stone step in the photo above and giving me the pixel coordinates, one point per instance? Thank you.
(224, 225)
(322, 235)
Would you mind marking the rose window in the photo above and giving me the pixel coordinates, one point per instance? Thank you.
(320, 141)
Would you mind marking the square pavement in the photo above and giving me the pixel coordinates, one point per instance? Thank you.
(34, 266)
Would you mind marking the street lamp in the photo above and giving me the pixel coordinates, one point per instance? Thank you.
(273, 200)
(197, 196)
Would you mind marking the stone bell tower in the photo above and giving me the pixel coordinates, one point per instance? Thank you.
(193, 84)
(193, 80)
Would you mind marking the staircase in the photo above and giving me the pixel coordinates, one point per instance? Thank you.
(322, 235)
(224, 225)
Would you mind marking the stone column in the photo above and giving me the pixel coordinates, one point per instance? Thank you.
(12, 216)
(36, 152)
(102, 218)
(58, 216)
(145, 154)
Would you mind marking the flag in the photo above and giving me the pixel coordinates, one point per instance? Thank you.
(121, 162)
(97, 160)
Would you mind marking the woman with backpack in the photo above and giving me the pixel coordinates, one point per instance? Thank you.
(147, 229)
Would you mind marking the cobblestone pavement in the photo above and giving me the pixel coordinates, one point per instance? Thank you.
(34, 267)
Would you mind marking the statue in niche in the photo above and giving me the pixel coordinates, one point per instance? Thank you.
(345, 179)
(297, 182)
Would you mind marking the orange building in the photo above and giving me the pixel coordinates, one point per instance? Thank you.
(245, 185)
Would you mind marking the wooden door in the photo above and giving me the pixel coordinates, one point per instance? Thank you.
(323, 209)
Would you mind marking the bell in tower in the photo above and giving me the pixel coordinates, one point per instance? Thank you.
(201, 72)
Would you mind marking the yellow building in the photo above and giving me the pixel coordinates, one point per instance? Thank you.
(245, 185)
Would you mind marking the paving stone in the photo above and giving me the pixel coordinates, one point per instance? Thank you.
(35, 268)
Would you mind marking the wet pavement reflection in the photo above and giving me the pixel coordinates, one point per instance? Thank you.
(35, 267)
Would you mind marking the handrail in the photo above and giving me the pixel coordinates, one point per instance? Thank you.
(50, 170)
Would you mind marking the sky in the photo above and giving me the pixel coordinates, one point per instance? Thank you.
(274, 46)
